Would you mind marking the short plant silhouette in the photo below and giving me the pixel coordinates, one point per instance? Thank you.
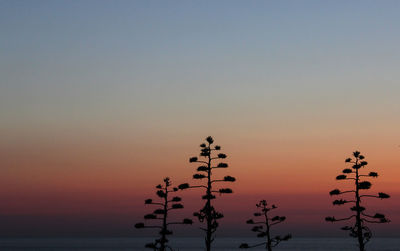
(208, 214)
(161, 215)
(263, 227)
(358, 229)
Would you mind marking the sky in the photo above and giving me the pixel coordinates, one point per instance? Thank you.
(100, 100)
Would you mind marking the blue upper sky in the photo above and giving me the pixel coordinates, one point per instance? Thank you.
(67, 60)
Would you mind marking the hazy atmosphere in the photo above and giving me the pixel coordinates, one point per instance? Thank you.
(100, 100)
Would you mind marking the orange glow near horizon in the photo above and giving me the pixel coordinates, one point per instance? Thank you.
(51, 177)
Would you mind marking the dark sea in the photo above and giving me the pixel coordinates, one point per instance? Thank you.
(190, 244)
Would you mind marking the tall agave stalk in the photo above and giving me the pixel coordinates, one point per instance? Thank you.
(263, 227)
(208, 214)
(161, 214)
(359, 217)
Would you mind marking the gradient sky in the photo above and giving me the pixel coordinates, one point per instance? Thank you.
(99, 100)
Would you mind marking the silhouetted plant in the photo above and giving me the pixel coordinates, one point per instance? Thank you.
(359, 230)
(208, 212)
(161, 214)
(263, 227)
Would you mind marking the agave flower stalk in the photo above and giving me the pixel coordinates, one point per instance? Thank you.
(161, 214)
(359, 228)
(263, 227)
(208, 214)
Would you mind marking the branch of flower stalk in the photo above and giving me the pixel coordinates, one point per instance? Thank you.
(343, 177)
(223, 191)
(375, 221)
(275, 223)
(175, 200)
(276, 242)
(200, 161)
(338, 192)
(278, 239)
(217, 181)
(350, 191)
(245, 245)
(376, 216)
(333, 219)
(152, 217)
(187, 186)
(367, 195)
(253, 222)
(258, 229)
(226, 179)
(379, 196)
(342, 202)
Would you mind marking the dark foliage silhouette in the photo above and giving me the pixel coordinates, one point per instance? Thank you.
(263, 227)
(161, 215)
(208, 214)
(358, 229)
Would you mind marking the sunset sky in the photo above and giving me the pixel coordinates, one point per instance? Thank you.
(100, 100)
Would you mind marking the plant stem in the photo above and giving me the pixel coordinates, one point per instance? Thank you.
(268, 244)
(208, 204)
(358, 216)
(163, 240)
